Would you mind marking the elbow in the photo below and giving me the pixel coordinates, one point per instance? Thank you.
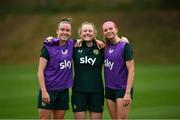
(131, 72)
(40, 74)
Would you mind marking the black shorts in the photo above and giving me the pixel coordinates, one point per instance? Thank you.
(113, 94)
(93, 102)
(59, 100)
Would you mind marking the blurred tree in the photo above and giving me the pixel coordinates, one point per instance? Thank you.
(44, 3)
(170, 4)
(116, 2)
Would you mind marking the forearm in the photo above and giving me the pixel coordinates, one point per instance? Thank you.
(42, 81)
(45, 95)
(130, 78)
(100, 44)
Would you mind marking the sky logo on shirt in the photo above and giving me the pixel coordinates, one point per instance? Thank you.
(86, 60)
(108, 64)
(65, 64)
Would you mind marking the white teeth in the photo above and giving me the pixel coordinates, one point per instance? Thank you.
(109, 34)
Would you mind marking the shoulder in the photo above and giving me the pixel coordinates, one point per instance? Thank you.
(44, 53)
(128, 52)
(127, 46)
(71, 41)
(51, 41)
(43, 49)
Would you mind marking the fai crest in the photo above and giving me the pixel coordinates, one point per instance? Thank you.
(96, 51)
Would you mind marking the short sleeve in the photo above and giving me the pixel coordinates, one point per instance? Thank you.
(44, 53)
(128, 52)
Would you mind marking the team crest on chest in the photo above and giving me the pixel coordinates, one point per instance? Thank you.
(110, 50)
(64, 52)
(96, 51)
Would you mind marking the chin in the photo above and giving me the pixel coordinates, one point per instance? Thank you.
(64, 39)
(110, 38)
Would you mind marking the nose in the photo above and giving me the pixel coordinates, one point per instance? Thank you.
(87, 32)
(108, 30)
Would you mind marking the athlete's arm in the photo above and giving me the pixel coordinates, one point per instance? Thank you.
(127, 96)
(41, 68)
(128, 57)
(51, 40)
(130, 67)
(78, 43)
(100, 44)
(124, 39)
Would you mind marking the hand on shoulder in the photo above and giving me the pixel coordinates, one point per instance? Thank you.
(124, 39)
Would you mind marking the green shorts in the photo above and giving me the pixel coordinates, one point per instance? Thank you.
(113, 94)
(59, 100)
(93, 102)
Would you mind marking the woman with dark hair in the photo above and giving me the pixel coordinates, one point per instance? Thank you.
(55, 73)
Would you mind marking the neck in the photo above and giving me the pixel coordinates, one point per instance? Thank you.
(89, 43)
(62, 42)
(115, 40)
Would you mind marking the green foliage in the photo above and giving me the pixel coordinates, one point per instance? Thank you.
(55, 6)
(154, 35)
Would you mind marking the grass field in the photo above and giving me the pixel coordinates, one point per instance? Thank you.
(156, 95)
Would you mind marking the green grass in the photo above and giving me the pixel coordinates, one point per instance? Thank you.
(156, 92)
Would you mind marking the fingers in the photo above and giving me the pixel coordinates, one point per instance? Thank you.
(100, 46)
(124, 39)
(77, 44)
(126, 103)
(103, 45)
(49, 38)
(46, 100)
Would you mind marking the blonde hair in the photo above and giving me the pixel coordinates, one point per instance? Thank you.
(87, 23)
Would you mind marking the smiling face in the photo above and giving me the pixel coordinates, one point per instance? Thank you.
(64, 31)
(109, 30)
(87, 32)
